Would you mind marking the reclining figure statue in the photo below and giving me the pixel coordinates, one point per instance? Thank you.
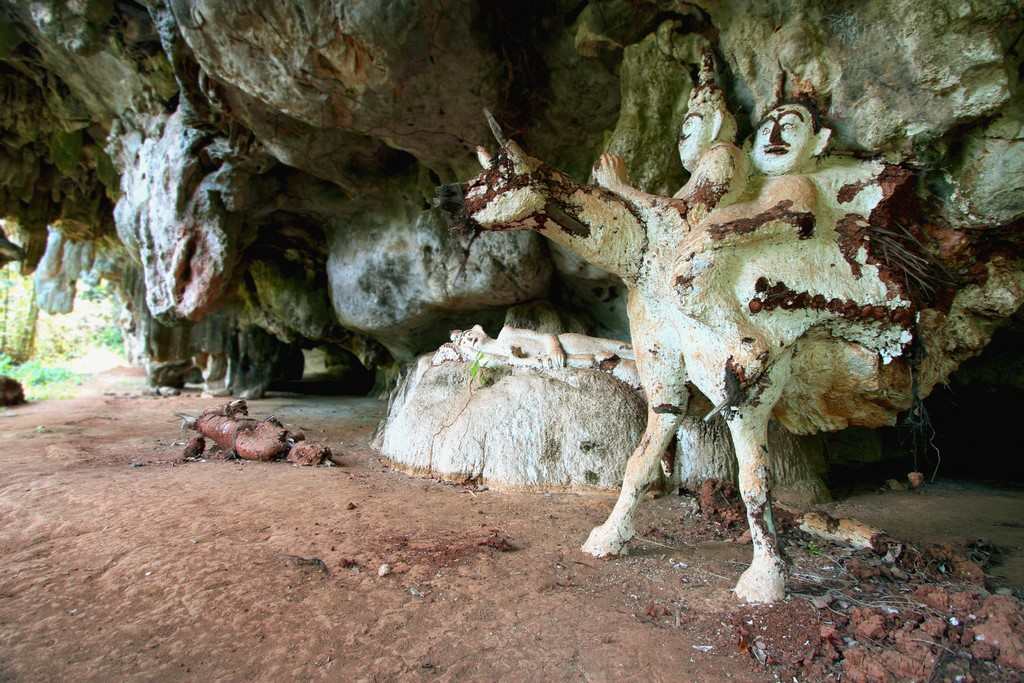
(528, 349)
(759, 294)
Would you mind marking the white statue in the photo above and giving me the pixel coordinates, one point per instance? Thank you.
(752, 292)
(528, 349)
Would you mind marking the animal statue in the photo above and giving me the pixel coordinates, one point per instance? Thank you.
(766, 298)
(528, 349)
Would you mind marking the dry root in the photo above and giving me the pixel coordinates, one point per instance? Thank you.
(847, 531)
(231, 428)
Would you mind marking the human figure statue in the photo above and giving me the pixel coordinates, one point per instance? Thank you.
(718, 168)
(528, 349)
(704, 296)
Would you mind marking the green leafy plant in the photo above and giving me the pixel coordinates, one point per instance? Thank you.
(474, 367)
(40, 380)
(111, 337)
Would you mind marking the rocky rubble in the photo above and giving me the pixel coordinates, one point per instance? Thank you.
(892, 613)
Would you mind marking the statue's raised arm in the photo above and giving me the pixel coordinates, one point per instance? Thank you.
(718, 168)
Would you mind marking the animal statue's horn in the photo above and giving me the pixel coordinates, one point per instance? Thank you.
(779, 89)
(495, 128)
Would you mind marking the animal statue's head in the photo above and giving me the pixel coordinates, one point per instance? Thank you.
(509, 194)
(788, 139)
(707, 119)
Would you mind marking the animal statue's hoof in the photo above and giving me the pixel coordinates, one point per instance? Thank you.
(605, 541)
(763, 581)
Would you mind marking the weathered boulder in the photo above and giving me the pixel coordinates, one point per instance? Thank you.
(704, 450)
(407, 281)
(987, 182)
(551, 429)
(11, 392)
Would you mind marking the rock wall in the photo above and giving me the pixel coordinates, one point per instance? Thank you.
(275, 162)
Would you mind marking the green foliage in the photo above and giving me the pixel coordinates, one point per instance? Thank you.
(34, 373)
(50, 354)
(474, 367)
(481, 374)
(41, 381)
(110, 337)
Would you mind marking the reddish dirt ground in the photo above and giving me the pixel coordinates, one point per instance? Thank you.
(122, 562)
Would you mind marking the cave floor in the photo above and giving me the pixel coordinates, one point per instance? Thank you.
(121, 561)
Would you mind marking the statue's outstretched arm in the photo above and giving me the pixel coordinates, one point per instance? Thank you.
(611, 174)
(784, 211)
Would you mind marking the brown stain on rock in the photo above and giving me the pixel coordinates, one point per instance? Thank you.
(847, 192)
(852, 231)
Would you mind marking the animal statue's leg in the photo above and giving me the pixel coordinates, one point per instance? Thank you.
(610, 537)
(658, 348)
(765, 578)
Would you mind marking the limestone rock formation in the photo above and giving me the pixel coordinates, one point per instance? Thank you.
(542, 430)
(359, 67)
(177, 215)
(797, 464)
(272, 165)
(57, 275)
(897, 74)
(988, 179)
(407, 282)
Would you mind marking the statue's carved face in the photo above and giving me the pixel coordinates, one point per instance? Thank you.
(695, 136)
(786, 141)
(471, 338)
